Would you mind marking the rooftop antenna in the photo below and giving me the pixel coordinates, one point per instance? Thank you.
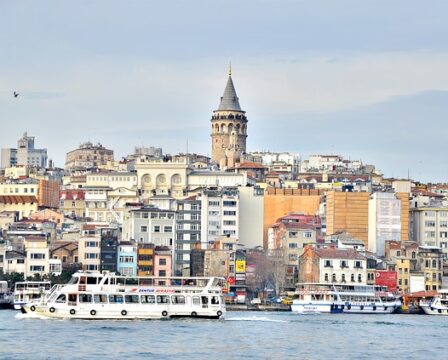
(230, 68)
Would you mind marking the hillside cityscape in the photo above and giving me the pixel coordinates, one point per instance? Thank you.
(262, 220)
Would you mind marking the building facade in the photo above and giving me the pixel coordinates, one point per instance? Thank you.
(88, 156)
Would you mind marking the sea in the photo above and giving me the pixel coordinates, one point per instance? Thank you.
(241, 335)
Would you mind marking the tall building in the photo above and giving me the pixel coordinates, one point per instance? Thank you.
(384, 221)
(229, 128)
(25, 154)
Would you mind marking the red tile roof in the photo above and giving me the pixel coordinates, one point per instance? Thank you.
(72, 195)
(250, 165)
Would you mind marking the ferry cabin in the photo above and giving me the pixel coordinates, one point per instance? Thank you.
(438, 305)
(29, 291)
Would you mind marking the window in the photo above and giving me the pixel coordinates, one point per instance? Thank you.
(358, 265)
(229, 213)
(430, 223)
(178, 299)
(328, 263)
(162, 272)
(352, 278)
(430, 213)
(37, 256)
(92, 267)
(196, 300)
(85, 298)
(148, 299)
(162, 262)
(344, 264)
(430, 234)
(359, 278)
(213, 203)
(145, 215)
(116, 299)
(37, 268)
(333, 278)
(144, 257)
(195, 217)
(168, 229)
(213, 213)
(143, 229)
(229, 203)
(326, 277)
(61, 299)
(163, 299)
(292, 245)
(153, 215)
(156, 228)
(162, 216)
(92, 244)
(308, 234)
(292, 234)
(229, 222)
(443, 234)
(126, 259)
(91, 256)
(443, 213)
(343, 278)
(131, 299)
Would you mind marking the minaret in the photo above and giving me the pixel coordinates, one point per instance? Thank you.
(229, 128)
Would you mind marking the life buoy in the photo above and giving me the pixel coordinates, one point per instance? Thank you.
(164, 313)
(194, 314)
(72, 311)
(93, 312)
(52, 309)
(33, 308)
(219, 313)
(124, 312)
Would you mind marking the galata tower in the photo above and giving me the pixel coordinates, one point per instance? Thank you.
(229, 128)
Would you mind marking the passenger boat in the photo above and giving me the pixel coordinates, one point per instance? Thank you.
(341, 298)
(29, 291)
(6, 297)
(438, 305)
(110, 296)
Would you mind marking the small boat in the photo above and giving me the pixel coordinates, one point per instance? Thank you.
(6, 297)
(109, 296)
(436, 306)
(29, 291)
(341, 298)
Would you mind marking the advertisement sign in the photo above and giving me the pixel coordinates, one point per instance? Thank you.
(386, 278)
(240, 266)
(240, 277)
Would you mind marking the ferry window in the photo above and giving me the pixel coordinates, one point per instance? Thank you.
(72, 299)
(61, 299)
(215, 300)
(196, 300)
(91, 281)
(82, 280)
(178, 299)
(163, 299)
(116, 299)
(204, 300)
(85, 298)
(131, 299)
(100, 298)
(148, 299)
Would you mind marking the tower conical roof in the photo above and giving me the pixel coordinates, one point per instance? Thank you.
(229, 100)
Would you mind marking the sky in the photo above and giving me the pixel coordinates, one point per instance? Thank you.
(364, 79)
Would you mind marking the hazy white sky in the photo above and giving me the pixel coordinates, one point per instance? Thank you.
(365, 79)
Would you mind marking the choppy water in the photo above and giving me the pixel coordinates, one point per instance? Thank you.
(243, 335)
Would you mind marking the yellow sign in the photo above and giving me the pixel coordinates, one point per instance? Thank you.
(240, 266)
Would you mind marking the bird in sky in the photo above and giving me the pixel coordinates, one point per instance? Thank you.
(16, 94)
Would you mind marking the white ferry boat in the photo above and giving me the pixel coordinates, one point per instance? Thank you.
(438, 305)
(29, 291)
(110, 296)
(341, 298)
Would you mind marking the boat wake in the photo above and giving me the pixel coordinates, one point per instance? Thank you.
(256, 318)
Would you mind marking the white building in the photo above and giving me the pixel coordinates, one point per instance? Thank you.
(384, 221)
(251, 216)
(37, 256)
(429, 226)
(219, 215)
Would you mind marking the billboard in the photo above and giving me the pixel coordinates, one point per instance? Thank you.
(240, 266)
(386, 278)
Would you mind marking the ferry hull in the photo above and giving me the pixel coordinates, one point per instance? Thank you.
(39, 311)
(429, 310)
